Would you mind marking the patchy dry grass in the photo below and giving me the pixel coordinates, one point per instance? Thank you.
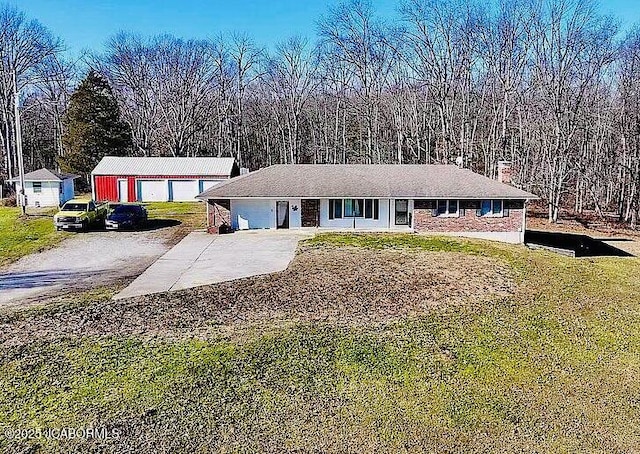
(345, 286)
(528, 352)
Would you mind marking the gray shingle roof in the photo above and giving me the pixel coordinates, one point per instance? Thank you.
(362, 180)
(148, 166)
(46, 175)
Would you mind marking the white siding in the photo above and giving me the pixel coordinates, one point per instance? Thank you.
(295, 213)
(260, 214)
(360, 223)
(48, 197)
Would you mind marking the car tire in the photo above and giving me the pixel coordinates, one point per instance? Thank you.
(85, 226)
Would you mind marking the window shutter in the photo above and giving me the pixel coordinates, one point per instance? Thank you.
(338, 208)
(368, 209)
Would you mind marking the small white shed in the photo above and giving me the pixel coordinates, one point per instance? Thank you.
(46, 188)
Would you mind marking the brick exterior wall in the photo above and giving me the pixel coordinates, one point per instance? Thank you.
(469, 221)
(219, 214)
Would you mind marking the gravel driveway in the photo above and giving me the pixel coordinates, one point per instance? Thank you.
(83, 261)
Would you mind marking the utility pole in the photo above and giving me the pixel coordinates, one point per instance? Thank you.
(21, 196)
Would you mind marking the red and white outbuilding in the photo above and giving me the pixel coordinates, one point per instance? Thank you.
(158, 179)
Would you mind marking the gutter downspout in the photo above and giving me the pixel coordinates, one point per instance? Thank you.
(524, 221)
(208, 220)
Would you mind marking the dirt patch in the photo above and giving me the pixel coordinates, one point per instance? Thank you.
(343, 286)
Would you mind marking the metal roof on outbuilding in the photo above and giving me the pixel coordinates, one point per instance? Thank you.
(154, 166)
(46, 175)
(364, 180)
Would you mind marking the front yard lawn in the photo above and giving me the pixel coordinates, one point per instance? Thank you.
(21, 236)
(366, 343)
(190, 214)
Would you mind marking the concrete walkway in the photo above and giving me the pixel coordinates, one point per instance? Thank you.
(203, 259)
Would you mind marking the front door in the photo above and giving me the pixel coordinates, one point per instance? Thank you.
(282, 214)
(402, 212)
(310, 212)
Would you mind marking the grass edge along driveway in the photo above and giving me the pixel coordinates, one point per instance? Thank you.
(24, 235)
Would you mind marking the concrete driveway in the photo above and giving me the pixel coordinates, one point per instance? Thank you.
(203, 259)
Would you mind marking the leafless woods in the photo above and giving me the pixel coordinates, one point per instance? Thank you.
(552, 85)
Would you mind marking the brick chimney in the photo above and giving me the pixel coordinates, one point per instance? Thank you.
(504, 172)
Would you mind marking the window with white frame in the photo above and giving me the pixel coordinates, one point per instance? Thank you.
(491, 208)
(37, 186)
(448, 208)
(354, 208)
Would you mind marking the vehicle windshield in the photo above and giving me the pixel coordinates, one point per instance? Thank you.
(74, 207)
(125, 209)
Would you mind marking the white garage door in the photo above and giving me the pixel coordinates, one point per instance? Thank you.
(184, 190)
(206, 184)
(153, 190)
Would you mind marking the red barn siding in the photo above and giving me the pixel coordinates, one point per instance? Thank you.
(106, 188)
(183, 177)
(131, 182)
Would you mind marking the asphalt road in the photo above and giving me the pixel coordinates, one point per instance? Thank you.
(83, 261)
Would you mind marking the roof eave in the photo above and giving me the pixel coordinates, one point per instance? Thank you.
(205, 196)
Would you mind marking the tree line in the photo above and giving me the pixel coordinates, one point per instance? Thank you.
(551, 85)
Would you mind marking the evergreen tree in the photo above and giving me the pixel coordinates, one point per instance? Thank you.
(93, 127)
